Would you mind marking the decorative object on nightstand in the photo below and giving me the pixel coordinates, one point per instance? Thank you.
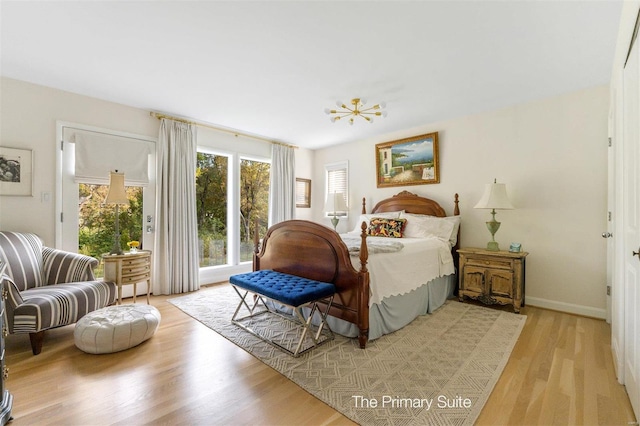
(118, 196)
(335, 206)
(494, 197)
(492, 276)
(133, 246)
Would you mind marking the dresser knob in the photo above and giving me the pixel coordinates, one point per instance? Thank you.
(5, 372)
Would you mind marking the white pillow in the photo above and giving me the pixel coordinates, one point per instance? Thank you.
(421, 226)
(367, 218)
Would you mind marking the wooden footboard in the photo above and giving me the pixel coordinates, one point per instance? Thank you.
(310, 250)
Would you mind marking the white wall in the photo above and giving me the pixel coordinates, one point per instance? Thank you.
(552, 154)
(304, 170)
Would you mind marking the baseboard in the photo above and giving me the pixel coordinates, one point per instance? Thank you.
(570, 308)
(220, 274)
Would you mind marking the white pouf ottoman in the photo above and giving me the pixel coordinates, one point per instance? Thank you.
(116, 328)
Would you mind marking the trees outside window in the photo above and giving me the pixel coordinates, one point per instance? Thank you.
(254, 203)
(211, 205)
(96, 221)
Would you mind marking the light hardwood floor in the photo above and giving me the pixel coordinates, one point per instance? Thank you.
(560, 372)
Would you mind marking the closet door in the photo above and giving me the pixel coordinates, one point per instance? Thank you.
(631, 224)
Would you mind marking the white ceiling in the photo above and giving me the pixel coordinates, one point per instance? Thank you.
(270, 68)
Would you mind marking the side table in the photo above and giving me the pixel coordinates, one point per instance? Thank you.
(492, 276)
(128, 268)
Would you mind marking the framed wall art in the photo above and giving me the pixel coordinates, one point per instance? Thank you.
(303, 193)
(410, 161)
(16, 171)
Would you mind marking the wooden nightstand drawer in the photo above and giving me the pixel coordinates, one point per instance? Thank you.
(493, 263)
(135, 278)
(141, 261)
(134, 270)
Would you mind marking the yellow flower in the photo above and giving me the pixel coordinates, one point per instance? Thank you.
(133, 244)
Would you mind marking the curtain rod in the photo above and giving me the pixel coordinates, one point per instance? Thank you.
(220, 129)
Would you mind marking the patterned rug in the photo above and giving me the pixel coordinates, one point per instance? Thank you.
(438, 370)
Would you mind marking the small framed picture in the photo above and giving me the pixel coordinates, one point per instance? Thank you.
(303, 193)
(16, 171)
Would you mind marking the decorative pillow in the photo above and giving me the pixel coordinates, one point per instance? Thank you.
(421, 226)
(384, 227)
(367, 218)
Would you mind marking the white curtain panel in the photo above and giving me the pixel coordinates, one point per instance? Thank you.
(176, 244)
(282, 188)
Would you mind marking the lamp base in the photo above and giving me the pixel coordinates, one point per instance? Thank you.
(493, 225)
(334, 222)
(493, 246)
(117, 249)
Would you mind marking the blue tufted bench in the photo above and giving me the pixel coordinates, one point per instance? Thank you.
(289, 290)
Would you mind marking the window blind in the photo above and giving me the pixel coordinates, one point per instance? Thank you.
(338, 182)
(96, 154)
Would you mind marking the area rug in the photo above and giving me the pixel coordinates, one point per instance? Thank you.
(438, 370)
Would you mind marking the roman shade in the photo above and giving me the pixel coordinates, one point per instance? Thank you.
(99, 153)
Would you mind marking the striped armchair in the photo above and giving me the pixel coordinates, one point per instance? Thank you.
(48, 288)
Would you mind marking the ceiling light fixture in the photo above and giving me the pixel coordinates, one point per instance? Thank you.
(358, 110)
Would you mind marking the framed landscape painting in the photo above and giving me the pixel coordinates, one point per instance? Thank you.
(410, 161)
(16, 171)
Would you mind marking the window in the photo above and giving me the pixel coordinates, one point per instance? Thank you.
(212, 173)
(229, 204)
(254, 203)
(337, 188)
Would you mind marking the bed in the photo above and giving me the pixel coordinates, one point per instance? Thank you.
(313, 251)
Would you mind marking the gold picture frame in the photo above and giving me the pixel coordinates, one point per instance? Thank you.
(410, 161)
(16, 171)
(303, 193)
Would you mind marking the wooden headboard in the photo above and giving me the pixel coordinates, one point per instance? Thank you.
(413, 203)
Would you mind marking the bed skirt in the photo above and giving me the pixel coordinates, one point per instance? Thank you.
(395, 312)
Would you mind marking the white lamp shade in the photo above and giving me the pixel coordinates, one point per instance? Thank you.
(335, 203)
(494, 197)
(117, 193)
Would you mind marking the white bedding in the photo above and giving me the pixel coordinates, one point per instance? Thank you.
(421, 260)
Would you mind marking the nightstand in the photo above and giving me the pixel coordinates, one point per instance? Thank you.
(492, 276)
(128, 268)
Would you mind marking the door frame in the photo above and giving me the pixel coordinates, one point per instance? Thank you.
(149, 192)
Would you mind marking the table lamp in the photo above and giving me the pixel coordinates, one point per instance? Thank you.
(118, 196)
(494, 198)
(334, 205)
